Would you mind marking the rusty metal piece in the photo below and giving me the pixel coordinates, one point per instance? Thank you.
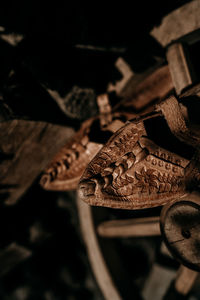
(133, 172)
(66, 168)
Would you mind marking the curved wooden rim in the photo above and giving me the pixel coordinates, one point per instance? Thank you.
(97, 261)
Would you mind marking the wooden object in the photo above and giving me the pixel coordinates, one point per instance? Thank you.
(180, 225)
(96, 258)
(179, 67)
(181, 26)
(140, 90)
(66, 168)
(181, 22)
(157, 282)
(26, 148)
(130, 228)
(185, 280)
(134, 172)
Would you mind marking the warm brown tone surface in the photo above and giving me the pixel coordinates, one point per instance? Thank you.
(27, 147)
(66, 168)
(180, 224)
(133, 172)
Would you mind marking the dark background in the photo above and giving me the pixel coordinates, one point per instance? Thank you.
(48, 56)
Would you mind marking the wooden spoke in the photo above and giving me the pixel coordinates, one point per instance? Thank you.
(185, 280)
(130, 228)
(98, 264)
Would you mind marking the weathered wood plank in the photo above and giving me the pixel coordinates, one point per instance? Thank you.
(26, 148)
(142, 89)
(178, 23)
(179, 68)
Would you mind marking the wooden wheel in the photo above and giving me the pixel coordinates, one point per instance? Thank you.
(162, 281)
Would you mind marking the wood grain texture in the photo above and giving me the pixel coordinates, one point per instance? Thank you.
(133, 172)
(26, 148)
(180, 224)
(64, 171)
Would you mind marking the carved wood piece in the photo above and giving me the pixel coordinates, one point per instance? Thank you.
(64, 171)
(133, 172)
